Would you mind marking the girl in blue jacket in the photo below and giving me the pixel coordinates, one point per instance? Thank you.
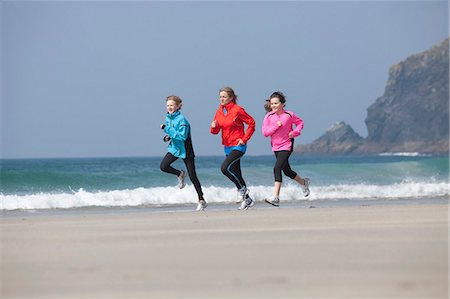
(178, 132)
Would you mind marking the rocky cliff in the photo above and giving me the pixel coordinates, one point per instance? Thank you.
(339, 138)
(411, 116)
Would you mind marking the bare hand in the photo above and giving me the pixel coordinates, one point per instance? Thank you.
(279, 123)
(162, 126)
(291, 135)
(213, 124)
(240, 142)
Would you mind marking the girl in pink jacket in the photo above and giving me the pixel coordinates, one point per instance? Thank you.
(279, 125)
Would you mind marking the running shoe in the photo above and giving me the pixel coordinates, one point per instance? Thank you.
(242, 195)
(181, 177)
(202, 204)
(247, 203)
(305, 187)
(274, 201)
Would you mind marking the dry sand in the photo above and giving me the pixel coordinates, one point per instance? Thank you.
(341, 252)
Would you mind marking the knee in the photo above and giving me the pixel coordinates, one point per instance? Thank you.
(163, 166)
(290, 174)
(224, 169)
(277, 169)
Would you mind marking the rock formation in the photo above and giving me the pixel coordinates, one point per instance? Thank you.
(411, 116)
(339, 138)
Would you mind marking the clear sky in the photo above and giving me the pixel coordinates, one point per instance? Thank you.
(89, 79)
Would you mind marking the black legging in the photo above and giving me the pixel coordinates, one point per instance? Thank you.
(231, 167)
(190, 165)
(282, 164)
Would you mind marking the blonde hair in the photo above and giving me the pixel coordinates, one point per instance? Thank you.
(176, 99)
(230, 93)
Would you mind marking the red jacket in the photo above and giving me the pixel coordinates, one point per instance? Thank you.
(232, 124)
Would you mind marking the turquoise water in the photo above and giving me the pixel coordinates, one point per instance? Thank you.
(69, 183)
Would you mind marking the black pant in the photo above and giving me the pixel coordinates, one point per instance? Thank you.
(282, 164)
(190, 165)
(231, 167)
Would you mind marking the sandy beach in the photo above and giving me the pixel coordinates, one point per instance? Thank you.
(360, 251)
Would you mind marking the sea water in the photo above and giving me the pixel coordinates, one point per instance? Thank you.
(31, 184)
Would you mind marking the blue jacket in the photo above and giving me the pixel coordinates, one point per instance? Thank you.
(179, 130)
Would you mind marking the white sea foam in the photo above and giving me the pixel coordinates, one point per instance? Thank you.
(405, 154)
(170, 195)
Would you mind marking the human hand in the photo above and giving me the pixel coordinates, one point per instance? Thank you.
(166, 138)
(279, 123)
(214, 124)
(162, 126)
(291, 135)
(240, 142)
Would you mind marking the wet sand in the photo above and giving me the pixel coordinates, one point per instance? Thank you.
(340, 252)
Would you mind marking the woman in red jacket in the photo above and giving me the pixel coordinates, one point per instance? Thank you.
(230, 118)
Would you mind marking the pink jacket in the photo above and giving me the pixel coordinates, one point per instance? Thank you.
(280, 134)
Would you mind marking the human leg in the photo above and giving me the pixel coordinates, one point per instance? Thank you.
(281, 165)
(190, 166)
(231, 168)
(304, 182)
(166, 167)
(166, 164)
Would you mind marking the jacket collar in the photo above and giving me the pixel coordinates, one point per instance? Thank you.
(275, 113)
(228, 106)
(173, 115)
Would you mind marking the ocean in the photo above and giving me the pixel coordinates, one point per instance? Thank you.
(34, 184)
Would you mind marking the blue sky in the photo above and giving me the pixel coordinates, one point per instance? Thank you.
(89, 79)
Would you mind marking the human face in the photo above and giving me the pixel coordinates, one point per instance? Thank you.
(224, 98)
(276, 105)
(171, 106)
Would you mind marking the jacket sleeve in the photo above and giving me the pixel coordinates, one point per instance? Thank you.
(267, 128)
(215, 130)
(298, 125)
(181, 131)
(246, 118)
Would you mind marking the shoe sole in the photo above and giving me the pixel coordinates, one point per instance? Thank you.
(271, 203)
(247, 207)
(202, 208)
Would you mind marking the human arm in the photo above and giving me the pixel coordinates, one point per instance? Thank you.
(178, 132)
(215, 127)
(268, 128)
(298, 126)
(246, 118)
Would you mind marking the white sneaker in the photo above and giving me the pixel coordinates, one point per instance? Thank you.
(242, 194)
(274, 201)
(202, 204)
(305, 187)
(247, 203)
(181, 177)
